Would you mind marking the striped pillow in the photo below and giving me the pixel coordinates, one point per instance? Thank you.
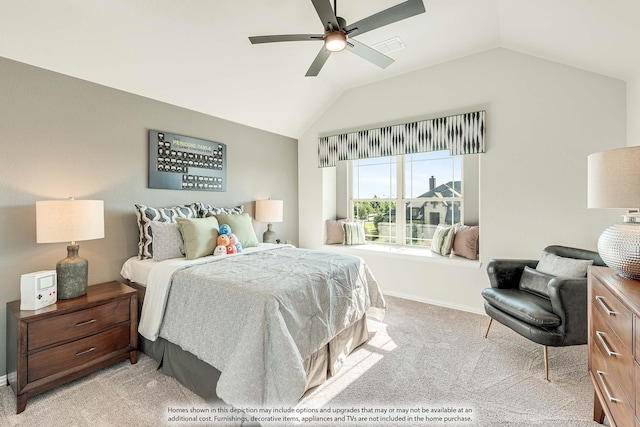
(353, 233)
(442, 240)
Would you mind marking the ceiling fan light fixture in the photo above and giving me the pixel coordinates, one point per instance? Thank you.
(336, 41)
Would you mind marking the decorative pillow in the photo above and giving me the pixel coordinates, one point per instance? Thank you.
(465, 241)
(167, 241)
(335, 232)
(442, 239)
(146, 214)
(353, 233)
(561, 266)
(535, 281)
(205, 210)
(242, 228)
(199, 236)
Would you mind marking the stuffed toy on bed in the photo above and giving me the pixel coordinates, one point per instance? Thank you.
(223, 240)
(227, 242)
(224, 229)
(220, 250)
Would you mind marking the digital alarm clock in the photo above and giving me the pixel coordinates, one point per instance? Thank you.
(38, 290)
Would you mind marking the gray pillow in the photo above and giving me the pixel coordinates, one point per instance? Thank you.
(167, 241)
(563, 267)
(535, 281)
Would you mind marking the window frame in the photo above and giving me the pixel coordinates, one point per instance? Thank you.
(401, 200)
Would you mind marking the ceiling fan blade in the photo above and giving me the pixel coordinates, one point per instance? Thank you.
(388, 16)
(326, 14)
(370, 54)
(285, 38)
(318, 63)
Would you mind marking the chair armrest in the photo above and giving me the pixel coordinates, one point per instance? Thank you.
(506, 273)
(569, 301)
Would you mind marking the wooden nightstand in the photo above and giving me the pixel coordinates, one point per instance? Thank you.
(72, 338)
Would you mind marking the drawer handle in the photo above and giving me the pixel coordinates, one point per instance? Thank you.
(605, 345)
(86, 323)
(604, 305)
(85, 352)
(606, 390)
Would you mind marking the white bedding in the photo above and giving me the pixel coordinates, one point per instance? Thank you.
(137, 270)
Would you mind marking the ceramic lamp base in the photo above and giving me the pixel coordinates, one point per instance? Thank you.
(619, 247)
(269, 236)
(72, 273)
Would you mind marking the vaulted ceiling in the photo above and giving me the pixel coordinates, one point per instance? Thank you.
(196, 54)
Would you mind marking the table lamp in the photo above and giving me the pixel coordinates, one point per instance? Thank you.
(269, 211)
(614, 183)
(70, 221)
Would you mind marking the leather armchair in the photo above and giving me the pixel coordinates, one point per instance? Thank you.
(558, 321)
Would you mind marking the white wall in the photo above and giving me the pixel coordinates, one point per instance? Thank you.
(633, 111)
(543, 119)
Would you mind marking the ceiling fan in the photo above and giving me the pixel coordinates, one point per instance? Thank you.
(338, 35)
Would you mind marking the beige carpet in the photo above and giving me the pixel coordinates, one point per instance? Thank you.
(421, 358)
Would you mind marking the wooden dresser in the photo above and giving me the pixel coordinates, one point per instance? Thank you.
(614, 347)
(69, 339)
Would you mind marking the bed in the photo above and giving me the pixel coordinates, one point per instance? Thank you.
(258, 328)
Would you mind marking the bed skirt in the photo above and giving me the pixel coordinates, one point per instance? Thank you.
(202, 378)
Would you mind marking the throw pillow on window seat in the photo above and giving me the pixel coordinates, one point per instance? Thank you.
(353, 233)
(335, 232)
(466, 241)
(442, 240)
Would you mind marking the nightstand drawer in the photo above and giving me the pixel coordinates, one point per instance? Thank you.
(63, 357)
(614, 314)
(76, 325)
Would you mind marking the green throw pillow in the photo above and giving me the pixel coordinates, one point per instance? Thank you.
(353, 233)
(242, 227)
(199, 236)
(442, 240)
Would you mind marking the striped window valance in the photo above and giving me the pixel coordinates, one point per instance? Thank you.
(460, 134)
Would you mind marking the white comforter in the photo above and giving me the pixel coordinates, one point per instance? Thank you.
(256, 316)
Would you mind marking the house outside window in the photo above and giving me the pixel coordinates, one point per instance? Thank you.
(428, 187)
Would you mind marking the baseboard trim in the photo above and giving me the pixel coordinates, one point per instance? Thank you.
(431, 301)
(3, 380)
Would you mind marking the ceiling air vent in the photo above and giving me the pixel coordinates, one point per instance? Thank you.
(389, 46)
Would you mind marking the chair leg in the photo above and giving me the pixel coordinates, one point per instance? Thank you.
(488, 326)
(546, 363)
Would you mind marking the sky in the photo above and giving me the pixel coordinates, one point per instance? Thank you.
(377, 177)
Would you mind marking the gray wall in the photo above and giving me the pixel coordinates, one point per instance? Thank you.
(63, 137)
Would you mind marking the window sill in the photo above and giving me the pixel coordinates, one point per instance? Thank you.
(404, 252)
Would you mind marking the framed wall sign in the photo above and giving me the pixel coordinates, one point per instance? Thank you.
(178, 162)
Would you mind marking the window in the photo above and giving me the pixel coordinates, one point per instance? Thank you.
(428, 185)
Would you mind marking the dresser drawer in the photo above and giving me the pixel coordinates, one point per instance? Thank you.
(614, 313)
(636, 370)
(622, 412)
(70, 355)
(76, 325)
(618, 360)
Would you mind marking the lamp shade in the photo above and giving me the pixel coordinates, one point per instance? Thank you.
(269, 210)
(69, 220)
(614, 179)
